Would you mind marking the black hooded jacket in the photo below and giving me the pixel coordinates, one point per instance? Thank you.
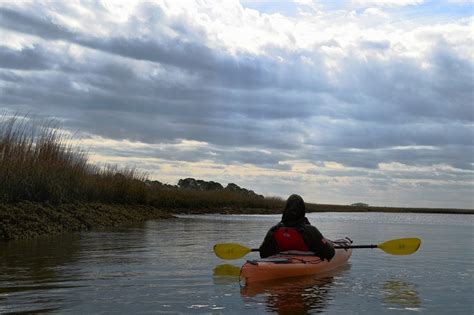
(294, 216)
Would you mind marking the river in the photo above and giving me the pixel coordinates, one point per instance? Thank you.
(169, 267)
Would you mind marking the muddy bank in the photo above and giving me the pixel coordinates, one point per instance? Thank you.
(28, 220)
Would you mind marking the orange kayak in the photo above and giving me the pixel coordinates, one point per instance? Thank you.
(292, 264)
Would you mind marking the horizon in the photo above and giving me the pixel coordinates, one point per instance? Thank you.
(337, 101)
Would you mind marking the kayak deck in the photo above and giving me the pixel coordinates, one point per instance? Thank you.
(285, 265)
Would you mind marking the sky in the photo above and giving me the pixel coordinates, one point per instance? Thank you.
(338, 101)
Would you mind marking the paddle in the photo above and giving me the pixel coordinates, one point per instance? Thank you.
(402, 246)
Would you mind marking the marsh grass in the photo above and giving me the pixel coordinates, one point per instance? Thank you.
(39, 162)
(214, 200)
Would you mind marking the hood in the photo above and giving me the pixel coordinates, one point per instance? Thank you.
(294, 211)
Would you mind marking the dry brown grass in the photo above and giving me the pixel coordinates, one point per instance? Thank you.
(38, 162)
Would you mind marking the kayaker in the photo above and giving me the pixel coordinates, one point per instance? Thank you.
(294, 232)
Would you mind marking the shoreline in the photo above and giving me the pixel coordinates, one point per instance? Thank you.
(314, 208)
(344, 208)
(27, 220)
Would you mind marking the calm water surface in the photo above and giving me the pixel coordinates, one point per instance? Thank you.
(168, 267)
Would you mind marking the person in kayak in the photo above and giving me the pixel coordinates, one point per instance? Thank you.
(294, 232)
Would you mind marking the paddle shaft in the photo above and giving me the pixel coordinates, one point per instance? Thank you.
(356, 246)
(336, 247)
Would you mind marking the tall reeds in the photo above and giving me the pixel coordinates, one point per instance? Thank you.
(39, 162)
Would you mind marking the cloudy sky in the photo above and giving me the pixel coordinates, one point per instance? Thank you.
(339, 101)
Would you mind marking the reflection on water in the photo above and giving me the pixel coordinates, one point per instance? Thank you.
(226, 275)
(226, 271)
(37, 275)
(36, 259)
(398, 293)
(31, 270)
(295, 295)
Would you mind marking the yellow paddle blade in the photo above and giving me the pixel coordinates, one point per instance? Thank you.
(231, 251)
(402, 246)
(227, 270)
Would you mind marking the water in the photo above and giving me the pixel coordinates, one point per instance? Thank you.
(168, 267)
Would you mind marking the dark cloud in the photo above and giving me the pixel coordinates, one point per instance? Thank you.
(373, 135)
(25, 59)
(29, 24)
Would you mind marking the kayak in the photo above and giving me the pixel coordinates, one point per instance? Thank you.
(292, 264)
